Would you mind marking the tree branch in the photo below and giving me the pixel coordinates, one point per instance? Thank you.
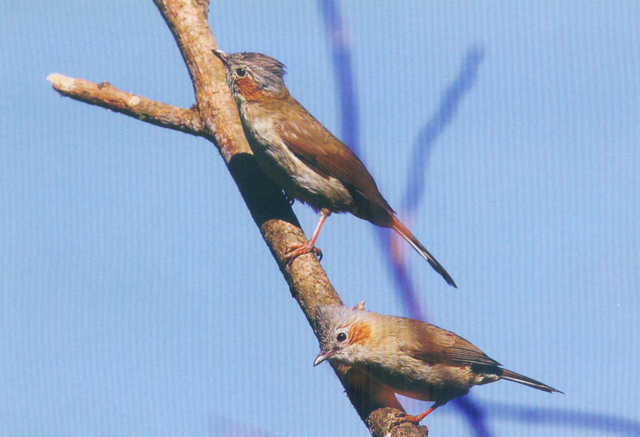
(215, 117)
(160, 114)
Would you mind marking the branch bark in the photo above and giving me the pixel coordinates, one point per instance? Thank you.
(214, 116)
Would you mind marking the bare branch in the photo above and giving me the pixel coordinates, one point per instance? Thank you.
(215, 117)
(160, 114)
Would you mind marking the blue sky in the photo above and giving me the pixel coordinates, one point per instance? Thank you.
(125, 303)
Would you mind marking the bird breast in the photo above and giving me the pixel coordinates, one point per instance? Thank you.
(296, 178)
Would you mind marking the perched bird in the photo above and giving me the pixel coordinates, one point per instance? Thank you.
(407, 356)
(301, 156)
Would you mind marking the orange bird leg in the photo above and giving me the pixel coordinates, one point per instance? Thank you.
(298, 250)
(415, 419)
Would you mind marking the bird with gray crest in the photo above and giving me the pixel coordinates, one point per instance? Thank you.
(407, 357)
(301, 156)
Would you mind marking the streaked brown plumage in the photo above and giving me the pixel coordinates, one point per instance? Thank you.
(302, 156)
(407, 356)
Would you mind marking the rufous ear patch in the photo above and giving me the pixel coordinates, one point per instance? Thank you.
(359, 333)
(248, 89)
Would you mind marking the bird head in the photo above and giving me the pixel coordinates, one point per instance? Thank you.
(344, 334)
(252, 76)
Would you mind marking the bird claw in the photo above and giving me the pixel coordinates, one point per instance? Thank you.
(296, 251)
(402, 417)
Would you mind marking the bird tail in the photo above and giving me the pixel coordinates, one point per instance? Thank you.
(516, 377)
(397, 226)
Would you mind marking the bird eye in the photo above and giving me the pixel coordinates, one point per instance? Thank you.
(341, 337)
(241, 72)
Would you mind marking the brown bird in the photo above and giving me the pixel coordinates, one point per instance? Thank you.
(407, 356)
(301, 156)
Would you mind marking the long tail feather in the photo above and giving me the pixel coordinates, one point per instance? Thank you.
(397, 226)
(516, 377)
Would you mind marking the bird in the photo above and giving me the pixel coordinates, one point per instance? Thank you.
(407, 356)
(301, 156)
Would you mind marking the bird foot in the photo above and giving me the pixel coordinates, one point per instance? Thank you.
(404, 417)
(298, 250)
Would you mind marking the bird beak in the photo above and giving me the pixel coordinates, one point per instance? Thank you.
(323, 356)
(221, 55)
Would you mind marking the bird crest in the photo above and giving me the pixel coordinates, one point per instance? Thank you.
(251, 74)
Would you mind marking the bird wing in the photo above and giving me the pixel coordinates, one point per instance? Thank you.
(314, 145)
(435, 345)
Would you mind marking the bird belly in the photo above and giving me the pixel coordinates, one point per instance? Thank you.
(296, 178)
(436, 382)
